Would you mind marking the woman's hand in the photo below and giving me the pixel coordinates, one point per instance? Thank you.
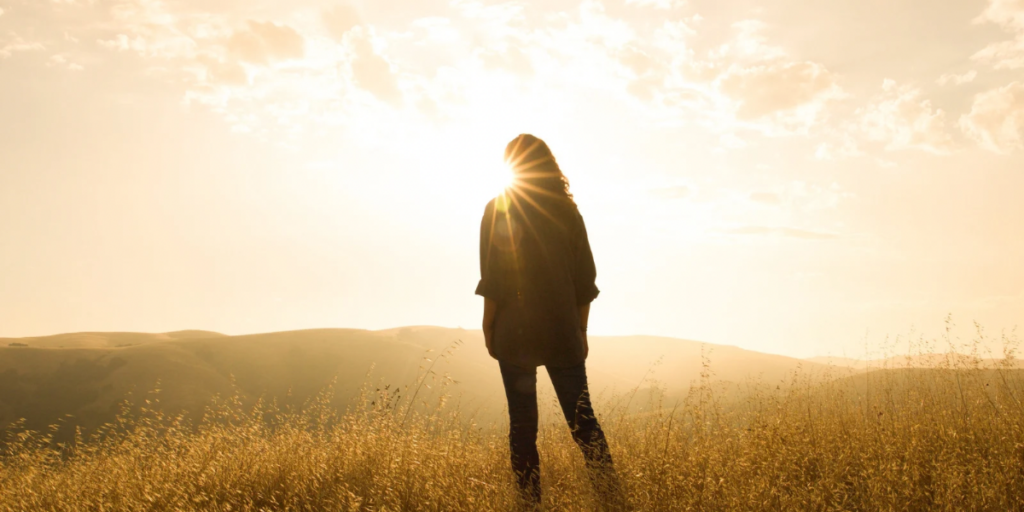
(489, 341)
(584, 320)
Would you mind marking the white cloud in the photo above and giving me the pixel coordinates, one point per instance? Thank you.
(766, 89)
(340, 20)
(952, 78)
(61, 60)
(902, 119)
(996, 119)
(637, 61)
(148, 28)
(1003, 55)
(227, 72)
(658, 4)
(595, 27)
(743, 83)
(18, 44)
(1007, 13)
(750, 43)
(1009, 54)
(371, 71)
(121, 42)
(760, 85)
(727, 77)
(263, 43)
(142, 12)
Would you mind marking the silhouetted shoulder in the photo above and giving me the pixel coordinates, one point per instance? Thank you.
(498, 206)
(495, 204)
(488, 215)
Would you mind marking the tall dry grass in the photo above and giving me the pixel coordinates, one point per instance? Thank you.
(950, 438)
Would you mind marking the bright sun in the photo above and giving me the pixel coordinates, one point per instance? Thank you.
(497, 178)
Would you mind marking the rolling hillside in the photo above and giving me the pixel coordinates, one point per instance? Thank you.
(104, 339)
(88, 378)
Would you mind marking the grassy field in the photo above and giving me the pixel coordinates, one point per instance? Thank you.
(950, 438)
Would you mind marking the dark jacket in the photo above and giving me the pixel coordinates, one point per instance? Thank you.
(535, 261)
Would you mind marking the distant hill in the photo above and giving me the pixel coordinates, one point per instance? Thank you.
(105, 339)
(93, 372)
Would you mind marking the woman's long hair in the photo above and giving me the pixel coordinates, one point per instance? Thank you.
(535, 169)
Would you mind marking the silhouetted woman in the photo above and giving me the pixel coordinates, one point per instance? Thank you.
(537, 280)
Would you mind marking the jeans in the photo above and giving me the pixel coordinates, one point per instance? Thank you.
(571, 388)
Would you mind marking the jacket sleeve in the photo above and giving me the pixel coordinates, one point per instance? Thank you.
(586, 272)
(490, 283)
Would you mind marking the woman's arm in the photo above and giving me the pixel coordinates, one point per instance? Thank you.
(586, 274)
(584, 319)
(585, 271)
(490, 312)
(490, 283)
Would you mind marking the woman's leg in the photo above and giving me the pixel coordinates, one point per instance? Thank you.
(573, 395)
(521, 392)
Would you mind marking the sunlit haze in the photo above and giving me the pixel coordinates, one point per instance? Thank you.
(793, 177)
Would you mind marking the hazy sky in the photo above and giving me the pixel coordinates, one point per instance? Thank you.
(790, 176)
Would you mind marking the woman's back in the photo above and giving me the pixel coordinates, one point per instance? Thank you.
(536, 263)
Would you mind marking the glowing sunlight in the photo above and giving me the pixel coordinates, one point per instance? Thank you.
(747, 215)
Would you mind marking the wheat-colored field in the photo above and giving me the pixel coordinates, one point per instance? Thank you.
(945, 438)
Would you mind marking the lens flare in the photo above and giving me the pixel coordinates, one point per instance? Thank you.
(504, 178)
